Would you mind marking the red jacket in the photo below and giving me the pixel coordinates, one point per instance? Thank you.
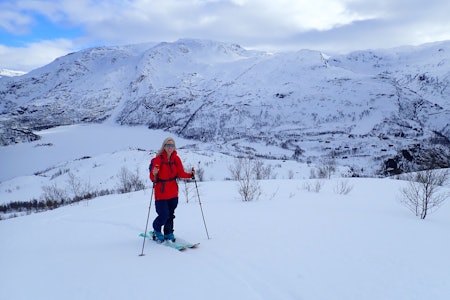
(166, 186)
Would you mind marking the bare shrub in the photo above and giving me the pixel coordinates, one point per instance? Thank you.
(188, 190)
(313, 187)
(129, 182)
(59, 173)
(80, 190)
(77, 187)
(343, 187)
(243, 172)
(52, 194)
(290, 174)
(199, 172)
(423, 193)
(328, 168)
(325, 171)
(262, 171)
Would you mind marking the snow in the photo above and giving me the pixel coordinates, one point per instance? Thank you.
(288, 244)
(73, 142)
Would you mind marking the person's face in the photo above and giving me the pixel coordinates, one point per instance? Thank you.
(169, 147)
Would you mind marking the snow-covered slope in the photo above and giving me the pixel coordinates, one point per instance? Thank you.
(364, 109)
(291, 244)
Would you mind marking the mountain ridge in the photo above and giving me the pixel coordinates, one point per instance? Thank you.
(363, 109)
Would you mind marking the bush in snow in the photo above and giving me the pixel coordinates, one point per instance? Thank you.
(423, 193)
(328, 168)
(262, 171)
(129, 182)
(343, 187)
(188, 190)
(79, 190)
(54, 194)
(199, 172)
(243, 172)
(325, 171)
(313, 187)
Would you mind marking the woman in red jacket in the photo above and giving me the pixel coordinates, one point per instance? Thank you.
(165, 169)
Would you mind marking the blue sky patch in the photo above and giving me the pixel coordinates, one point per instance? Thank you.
(40, 29)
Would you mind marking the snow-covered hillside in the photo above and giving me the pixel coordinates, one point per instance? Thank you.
(291, 243)
(373, 111)
(95, 154)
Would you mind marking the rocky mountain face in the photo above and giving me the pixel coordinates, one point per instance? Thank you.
(378, 112)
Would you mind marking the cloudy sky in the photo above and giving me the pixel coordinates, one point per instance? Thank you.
(35, 32)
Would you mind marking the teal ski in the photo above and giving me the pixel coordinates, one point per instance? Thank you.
(186, 243)
(179, 244)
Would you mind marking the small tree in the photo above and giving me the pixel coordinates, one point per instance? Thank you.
(422, 195)
(262, 171)
(129, 182)
(313, 187)
(325, 171)
(188, 190)
(328, 168)
(290, 174)
(343, 187)
(200, 172)
(79, 190)
(243, 172)
(75, 185)
(53, 194)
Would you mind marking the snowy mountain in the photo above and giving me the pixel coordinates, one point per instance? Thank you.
(374, 111)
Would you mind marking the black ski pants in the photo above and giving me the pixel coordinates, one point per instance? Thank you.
(166, 213)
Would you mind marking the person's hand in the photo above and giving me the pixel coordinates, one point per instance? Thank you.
(155, 170)
(193, 173)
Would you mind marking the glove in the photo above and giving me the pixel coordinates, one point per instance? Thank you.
(155, 170)
(193, 173)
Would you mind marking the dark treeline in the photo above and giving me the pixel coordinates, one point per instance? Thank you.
(34, 205)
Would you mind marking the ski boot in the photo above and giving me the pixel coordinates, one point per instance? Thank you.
(169, 237)
(158, 237)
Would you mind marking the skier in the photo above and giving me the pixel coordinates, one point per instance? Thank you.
(165, 169)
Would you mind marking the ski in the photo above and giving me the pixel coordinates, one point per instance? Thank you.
(186, 243)
(170, 244)
(179, 244)
(174, 245)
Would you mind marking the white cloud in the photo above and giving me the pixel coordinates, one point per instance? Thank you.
(275, 25)
(33, 55)
(13, 21)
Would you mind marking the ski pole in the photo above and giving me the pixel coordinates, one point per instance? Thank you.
(199, 202)
(146, 224)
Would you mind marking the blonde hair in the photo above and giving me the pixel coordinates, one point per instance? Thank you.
(166, 141)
